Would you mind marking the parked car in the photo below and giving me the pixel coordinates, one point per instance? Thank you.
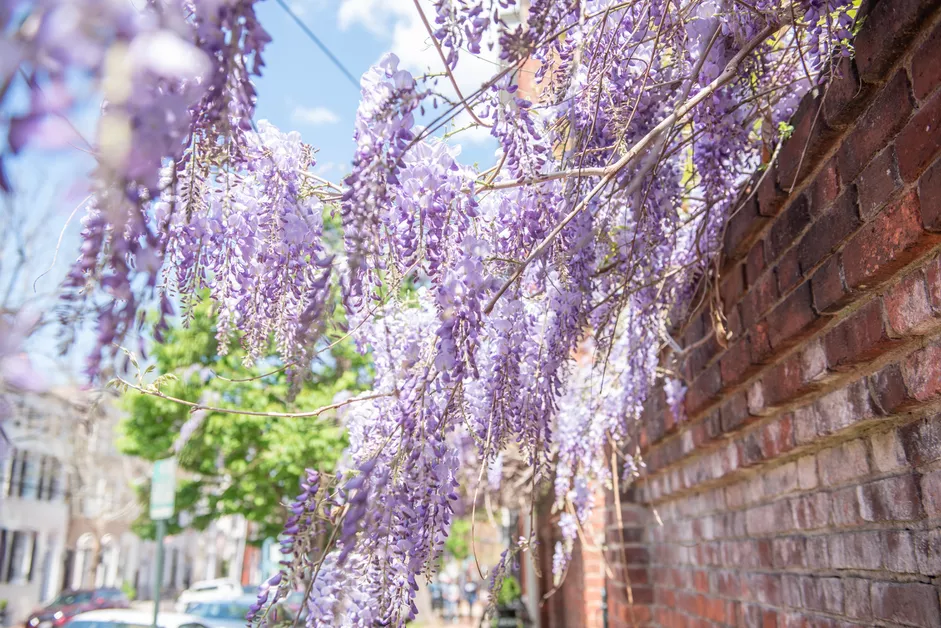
(121, 618)
(220, 588)
(232, 613)
(71, 603)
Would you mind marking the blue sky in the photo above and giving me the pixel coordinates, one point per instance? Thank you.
(300, 90)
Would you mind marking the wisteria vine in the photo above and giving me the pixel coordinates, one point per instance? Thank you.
(543, 290)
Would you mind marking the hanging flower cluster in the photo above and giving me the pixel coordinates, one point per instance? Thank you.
(546, 286)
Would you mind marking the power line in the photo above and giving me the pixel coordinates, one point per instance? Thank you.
(310, 34)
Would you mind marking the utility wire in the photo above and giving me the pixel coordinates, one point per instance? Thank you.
(310, 34)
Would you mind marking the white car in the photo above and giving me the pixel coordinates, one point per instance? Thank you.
(218, 589)
(125, 618)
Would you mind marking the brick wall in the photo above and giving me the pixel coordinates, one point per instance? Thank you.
(804, 486)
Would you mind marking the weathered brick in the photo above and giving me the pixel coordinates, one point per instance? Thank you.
(788, 271)
(933, 281)
(769, 194)
(885, 35)
(929, 187)
(846, 95)
(793, 318)
(843, 463)
(877, 183)
(920, 140)
(890, 393)
(926, 72)
(856, 550)
(928, 551)
(856, 598)
(787, 227)
(809, 137)
(909, 603)
(811, 512)
(921, 441)
(858, 338)
(891, 499)
(805, 425)
(931, 493)
(822, 594)
(733, 286)
(759, 299)
(807, 472)
(830, 230)
(777, 437)
(843, 408)
(884, 118)
(906, 305)
(922, 372)
(824, 189)
(844, 508)
(755, 263)
(704, 389)
(735, 363)
(741, 229)
(813, 361)
(888, 455)
(827, 286)
(783, 381)
(899, 554)
(886, 243)
(734, 412)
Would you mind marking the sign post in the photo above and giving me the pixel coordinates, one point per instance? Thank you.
(162, 494)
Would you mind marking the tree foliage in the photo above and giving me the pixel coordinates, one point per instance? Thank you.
(232, 463)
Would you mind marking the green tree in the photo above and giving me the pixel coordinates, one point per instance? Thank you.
(232, 463)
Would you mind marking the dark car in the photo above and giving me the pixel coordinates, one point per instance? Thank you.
(71, 603)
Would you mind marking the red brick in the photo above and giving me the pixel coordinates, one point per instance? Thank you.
(759, 299)
(885, 34)
(921, 441)
(844, 508)
(810, 136)
(811, 512)
(856, 550)
(822, 594)
(755, 263)
(856, 598)
(899, 551)
(926, 71)
(884, 118)
(933, 279)
(769, 194)
(788, 226)
(827, 286)
(931, 493)
(888, 454)
(877, 183)
(886, 243)
(793, 318)
(889, 390)
(891, 499)
(920, 140)
(742, 227)
(842, 408)
(928, 551)
(929, 188)
(825, 188)
(734, 412)
(732, 286)
(840, 464)
(830, 230)
(782, 382)
(846, 96)
(759, 345)
(906, 305)
(788, 552)
(922, 372)
(788, 271)
(910, 603)
(858, 338)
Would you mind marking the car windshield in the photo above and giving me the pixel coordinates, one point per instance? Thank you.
(72, 597)
(219, 610)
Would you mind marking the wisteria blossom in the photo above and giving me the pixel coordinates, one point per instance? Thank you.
(525, 307)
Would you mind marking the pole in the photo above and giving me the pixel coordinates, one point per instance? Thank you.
(158, 572)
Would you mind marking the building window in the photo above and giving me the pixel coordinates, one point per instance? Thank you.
(29, 476)
(17, 555)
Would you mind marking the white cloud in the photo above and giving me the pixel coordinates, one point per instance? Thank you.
(398, 22)
(314, 115)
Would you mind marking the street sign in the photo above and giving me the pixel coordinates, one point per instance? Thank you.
(163, 489)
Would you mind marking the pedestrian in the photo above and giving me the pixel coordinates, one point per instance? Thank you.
(437, 597)
(452, 597)
(470, 594)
